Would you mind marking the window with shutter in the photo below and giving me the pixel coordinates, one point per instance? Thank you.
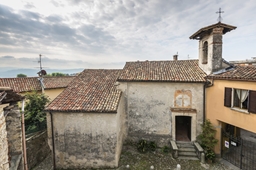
(227, 97)
(252, 102)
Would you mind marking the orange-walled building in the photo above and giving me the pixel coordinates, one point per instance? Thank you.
(231, 108)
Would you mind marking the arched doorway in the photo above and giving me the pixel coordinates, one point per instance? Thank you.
(183, 128)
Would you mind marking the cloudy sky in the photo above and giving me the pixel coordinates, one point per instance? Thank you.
(106, 33)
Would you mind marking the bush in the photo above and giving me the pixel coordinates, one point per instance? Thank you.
(166, 149)
(207, 140)
(144, 146)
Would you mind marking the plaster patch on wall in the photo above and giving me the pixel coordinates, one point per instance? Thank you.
(183, 98)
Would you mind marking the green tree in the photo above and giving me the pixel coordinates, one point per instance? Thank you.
(56, 74)
(21, 75)
(35, 117)
(207, 139)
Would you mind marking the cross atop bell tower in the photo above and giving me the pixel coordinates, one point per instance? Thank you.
(210, 45)
(219, 12)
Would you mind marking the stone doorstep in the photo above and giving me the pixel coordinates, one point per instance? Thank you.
(193, 154)
(186, 150)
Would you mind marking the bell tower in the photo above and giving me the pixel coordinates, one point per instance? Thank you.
(210, 46)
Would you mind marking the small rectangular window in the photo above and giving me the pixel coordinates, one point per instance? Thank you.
(241, 99)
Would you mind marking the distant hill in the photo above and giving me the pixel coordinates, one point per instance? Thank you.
(7, 72)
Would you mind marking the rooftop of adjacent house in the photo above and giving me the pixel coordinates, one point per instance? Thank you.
(93, 90)
(241, 73)
(25, 84)
(163, 71)
(206, 30)
(7, 95)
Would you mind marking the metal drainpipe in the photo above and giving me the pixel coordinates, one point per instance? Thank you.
(53, 145)
(24, 136)
(204, 103)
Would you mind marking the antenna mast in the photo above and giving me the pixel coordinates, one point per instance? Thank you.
(40, 61)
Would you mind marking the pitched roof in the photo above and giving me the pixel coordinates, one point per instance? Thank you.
(163, 71)
(32, 83)
(197, 35)
(241, 73)
(92, 90)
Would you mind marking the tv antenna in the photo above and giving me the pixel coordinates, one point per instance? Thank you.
(41, 72)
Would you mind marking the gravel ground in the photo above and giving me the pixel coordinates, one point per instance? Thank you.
(158, 159)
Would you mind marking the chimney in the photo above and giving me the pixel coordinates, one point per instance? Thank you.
(175, 57)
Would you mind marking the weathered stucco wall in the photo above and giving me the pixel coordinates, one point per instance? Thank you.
(4, 163)
(83, 140)
(149, 104)
(121, 130)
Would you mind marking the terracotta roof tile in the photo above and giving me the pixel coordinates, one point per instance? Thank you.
(32, 83)
(242, 73)
(163, 71)
(92, 90)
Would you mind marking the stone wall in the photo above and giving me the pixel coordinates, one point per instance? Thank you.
(37, 149)
(13, 126)
(14, 136)
(4, 162)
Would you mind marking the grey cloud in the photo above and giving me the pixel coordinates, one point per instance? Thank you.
(7, 57)
(31, 33)
(54, 18)
(30, 15)
(57, 3)
(29, 5)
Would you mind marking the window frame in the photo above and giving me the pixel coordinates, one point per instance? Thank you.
(229, 100)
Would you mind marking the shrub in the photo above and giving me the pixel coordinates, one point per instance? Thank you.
(166, 149)
(144, 146)
(207, 139)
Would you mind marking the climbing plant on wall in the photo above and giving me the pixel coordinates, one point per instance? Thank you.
(35, 117)
(207, 139)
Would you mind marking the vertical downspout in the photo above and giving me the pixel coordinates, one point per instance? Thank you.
(204, 103)
(53, 145)
(24, 136)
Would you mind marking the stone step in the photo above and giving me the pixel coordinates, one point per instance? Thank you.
(185, 145)
(188, 158)
(183, 142)
(185, 153)
(187, 149)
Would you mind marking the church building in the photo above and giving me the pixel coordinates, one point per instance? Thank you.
(152, 100)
